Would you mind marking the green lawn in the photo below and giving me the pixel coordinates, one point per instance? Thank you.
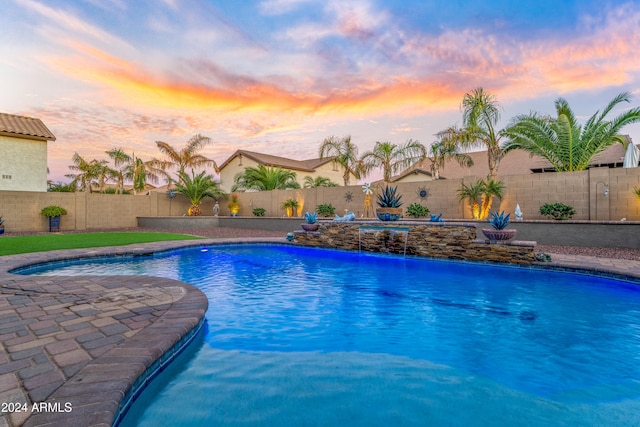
(50, 242)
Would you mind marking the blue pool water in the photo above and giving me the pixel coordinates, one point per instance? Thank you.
(299, 336)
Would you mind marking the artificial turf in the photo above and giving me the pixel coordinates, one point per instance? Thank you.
(49, 242)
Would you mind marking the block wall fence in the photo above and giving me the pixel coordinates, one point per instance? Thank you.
(584, 190)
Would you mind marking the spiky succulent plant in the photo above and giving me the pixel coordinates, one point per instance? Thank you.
(499, 221)
(311, 217)
(389, 198)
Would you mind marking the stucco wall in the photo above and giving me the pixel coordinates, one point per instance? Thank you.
(23, 164)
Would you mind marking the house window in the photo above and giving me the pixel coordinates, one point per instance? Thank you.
(6, 176)
(240, 158)
(335, 166)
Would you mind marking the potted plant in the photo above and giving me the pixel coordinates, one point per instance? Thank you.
(233, 205)
(499, 231)
(53, 213)
(290, 205)
(389, 205)
(1, 225)
(312, 222)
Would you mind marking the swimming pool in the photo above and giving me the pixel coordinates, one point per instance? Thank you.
(319, 337)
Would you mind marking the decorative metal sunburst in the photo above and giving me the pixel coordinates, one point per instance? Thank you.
(348, 197)
(423, 193)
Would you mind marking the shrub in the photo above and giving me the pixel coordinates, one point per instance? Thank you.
(259, 211)
(326, 209)
(558, 211)
(53, 211)
(416, 210)
(115, 191)
(637, 192)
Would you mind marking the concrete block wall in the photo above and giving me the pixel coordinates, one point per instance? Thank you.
(584, 190)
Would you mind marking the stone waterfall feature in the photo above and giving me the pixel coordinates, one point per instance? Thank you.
(420, 238)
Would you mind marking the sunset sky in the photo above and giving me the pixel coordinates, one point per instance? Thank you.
(279, 76)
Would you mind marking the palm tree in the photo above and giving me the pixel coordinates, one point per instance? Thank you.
(567, 145)
(196, 188)
(264, 178)
(135, 169)
(90, 173)
(447, 146)
(188, 157)
(393, 158)
(490, 189)
(319, 181)
(121, 160)
(345, 153)
(480, 196)
(472, 194)
(481, 112)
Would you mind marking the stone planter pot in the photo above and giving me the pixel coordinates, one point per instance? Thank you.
(389, 214)
(310, 227)
(498, 235)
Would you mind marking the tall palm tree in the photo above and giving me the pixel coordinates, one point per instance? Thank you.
(121, 160)
(392, 157)
(566, 144)
(319, 181)
(188, 157)
(448, 146)
(89, 173)
(345, 154)
(134, 169)
(196, 188)
(264, 178)
(481, 113)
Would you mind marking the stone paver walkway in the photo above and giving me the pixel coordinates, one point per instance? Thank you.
(75, 346)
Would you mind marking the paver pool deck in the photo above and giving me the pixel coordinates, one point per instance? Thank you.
(75, 346)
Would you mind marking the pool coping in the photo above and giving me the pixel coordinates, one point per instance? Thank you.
(100, 389)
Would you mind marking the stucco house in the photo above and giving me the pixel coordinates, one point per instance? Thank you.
(314, 168)
(516, 162)
(23, 148)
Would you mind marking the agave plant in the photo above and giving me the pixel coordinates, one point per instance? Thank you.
(499, 221)
(311, 217)
(389, 198)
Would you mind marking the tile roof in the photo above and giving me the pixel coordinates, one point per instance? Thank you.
(24, 127)
(516, 162)
(283, 162)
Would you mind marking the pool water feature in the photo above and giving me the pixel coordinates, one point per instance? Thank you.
(319, 337)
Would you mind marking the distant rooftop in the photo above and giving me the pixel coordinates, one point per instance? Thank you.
(276, 161)
(24, 127)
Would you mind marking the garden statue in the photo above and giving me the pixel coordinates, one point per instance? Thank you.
(368, 210)
(216, 209)
(518, 212)
(349, 216)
